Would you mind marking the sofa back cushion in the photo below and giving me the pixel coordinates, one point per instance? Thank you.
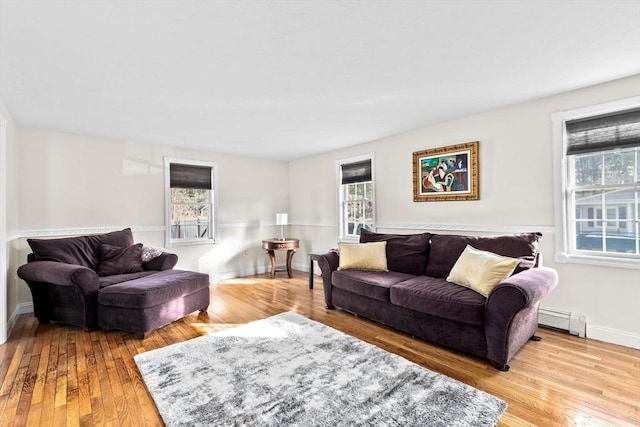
(446, 249)
(81, 250)
(406, 253)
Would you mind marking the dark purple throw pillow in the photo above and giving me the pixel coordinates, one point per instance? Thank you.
(117, 260)
(406, 253)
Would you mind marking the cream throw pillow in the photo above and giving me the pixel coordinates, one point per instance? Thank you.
(481, 270)
(363, 256)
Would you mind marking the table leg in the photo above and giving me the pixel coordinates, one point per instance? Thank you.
(310, 273)
(290, 253)
(272, 258)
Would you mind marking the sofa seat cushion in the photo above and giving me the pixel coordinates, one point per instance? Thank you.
(153, 289)
(119, 278)
(438, 297)
(372, 284)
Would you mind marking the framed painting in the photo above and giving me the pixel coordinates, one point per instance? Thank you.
(446, 173)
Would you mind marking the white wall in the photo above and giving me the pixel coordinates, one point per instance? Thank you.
(9, 206)
(75, 182)
(70, 184)
(516, 194)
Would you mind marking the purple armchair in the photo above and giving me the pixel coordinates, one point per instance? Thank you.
(69, 277)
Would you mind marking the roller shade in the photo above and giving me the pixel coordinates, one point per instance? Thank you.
(356, 172)
(189, 176)
(618, 130)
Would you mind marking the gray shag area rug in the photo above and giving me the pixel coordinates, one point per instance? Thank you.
(287, 370)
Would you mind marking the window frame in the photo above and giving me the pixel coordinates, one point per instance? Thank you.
(213, 205)
(564, 221)
(341, 194)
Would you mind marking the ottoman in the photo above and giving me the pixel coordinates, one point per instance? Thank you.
(147, 303)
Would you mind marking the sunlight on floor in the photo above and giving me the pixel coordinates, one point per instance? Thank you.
(238, 281)
(212, 328)
(216, 306)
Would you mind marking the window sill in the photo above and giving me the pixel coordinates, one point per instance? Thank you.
(191, 242)
(349, 239)
(633, 264)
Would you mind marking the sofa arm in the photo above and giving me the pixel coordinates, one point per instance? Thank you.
(166, 261)
(523, 289)
(328, 263)
(58, 273)
(511, 316)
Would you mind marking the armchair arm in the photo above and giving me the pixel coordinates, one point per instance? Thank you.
(328, 263)
(61, 274)
(64, 292)
(511, 316)
(166, 261)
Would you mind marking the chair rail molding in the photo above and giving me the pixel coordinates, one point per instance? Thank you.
(483, 228)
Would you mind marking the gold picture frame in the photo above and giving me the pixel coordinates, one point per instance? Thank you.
(446, 173)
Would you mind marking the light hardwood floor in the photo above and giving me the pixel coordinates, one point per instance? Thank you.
(55, 375)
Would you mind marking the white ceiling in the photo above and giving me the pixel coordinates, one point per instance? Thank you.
(287, 79)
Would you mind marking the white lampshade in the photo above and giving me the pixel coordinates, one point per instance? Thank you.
(281, 219)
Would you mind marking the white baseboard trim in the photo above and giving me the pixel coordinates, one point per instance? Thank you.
(300, 266)
(613, 336)
(225, 275)
(21, 308)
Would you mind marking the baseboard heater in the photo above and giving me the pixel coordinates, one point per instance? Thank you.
(573, 323)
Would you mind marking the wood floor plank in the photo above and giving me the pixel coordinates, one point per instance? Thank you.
(61, 375)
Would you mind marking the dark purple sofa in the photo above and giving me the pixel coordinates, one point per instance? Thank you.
(101, 281)
(414, 296)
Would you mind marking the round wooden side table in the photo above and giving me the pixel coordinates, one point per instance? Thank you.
(272, 245)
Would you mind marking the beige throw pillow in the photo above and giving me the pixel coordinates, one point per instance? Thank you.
(363, 256)
(481, 270)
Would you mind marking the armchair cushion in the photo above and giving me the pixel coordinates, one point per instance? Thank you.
(81, 250)
(71, 250)
(117, 260)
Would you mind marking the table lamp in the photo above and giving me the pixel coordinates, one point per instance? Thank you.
(281, 220)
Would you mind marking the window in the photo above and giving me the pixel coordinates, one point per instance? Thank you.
(598, 172)
(190, 201)
(356, 196)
